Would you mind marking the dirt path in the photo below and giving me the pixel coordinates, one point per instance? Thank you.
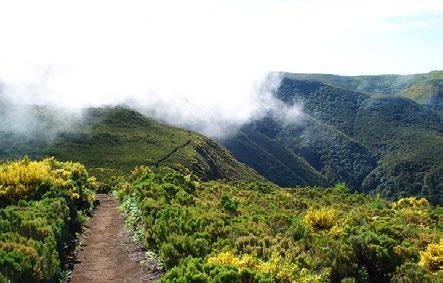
(107, 254)
(167, 156)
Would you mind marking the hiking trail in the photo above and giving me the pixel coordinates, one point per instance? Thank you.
(107, 252)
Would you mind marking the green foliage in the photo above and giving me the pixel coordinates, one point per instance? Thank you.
(43, 205)
(299, 228)
(228, 203)
(252, 232)
(411, 273)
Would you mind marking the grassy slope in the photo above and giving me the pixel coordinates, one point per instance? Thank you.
(115, 140)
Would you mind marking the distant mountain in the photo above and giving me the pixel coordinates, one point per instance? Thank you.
(114, 140)
(425, 89)
(375, 142)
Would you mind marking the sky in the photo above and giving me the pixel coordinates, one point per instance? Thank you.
(205, 60)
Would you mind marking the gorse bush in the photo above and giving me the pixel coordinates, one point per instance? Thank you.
(43, 205)
(20, 179)
(432, 258)
(218, 232)
(322, 219)
(26, 179)
(276, 267)
(411, 202)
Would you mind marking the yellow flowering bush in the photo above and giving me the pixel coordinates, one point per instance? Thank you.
(246, 261)
(25, 178)
(336, 232)
(413, 210)
(321, 219)
(140, 171)
(18, 179)
(410, 202)
(277, 266)
(432, 258)
(281, 269)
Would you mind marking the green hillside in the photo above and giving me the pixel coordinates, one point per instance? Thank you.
(112, 141)
(378, 143)
(374, 142)
(304, 153)
(272, 160)
(408, 141)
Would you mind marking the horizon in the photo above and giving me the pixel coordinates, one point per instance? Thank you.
(362, 75)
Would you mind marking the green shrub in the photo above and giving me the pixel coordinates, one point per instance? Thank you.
(44, 205)
(218, 232)
(228, 203)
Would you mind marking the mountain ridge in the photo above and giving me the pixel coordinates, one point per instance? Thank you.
(115, 140)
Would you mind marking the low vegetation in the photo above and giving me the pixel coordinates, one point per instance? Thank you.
(257, 232)
(42, 205)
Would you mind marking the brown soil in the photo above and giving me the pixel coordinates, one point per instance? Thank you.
(107, 253)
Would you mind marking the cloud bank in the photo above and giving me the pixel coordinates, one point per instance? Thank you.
(202, 64)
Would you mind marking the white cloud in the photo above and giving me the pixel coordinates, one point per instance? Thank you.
(193, 60)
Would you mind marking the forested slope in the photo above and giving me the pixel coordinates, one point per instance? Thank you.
(378, 143)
